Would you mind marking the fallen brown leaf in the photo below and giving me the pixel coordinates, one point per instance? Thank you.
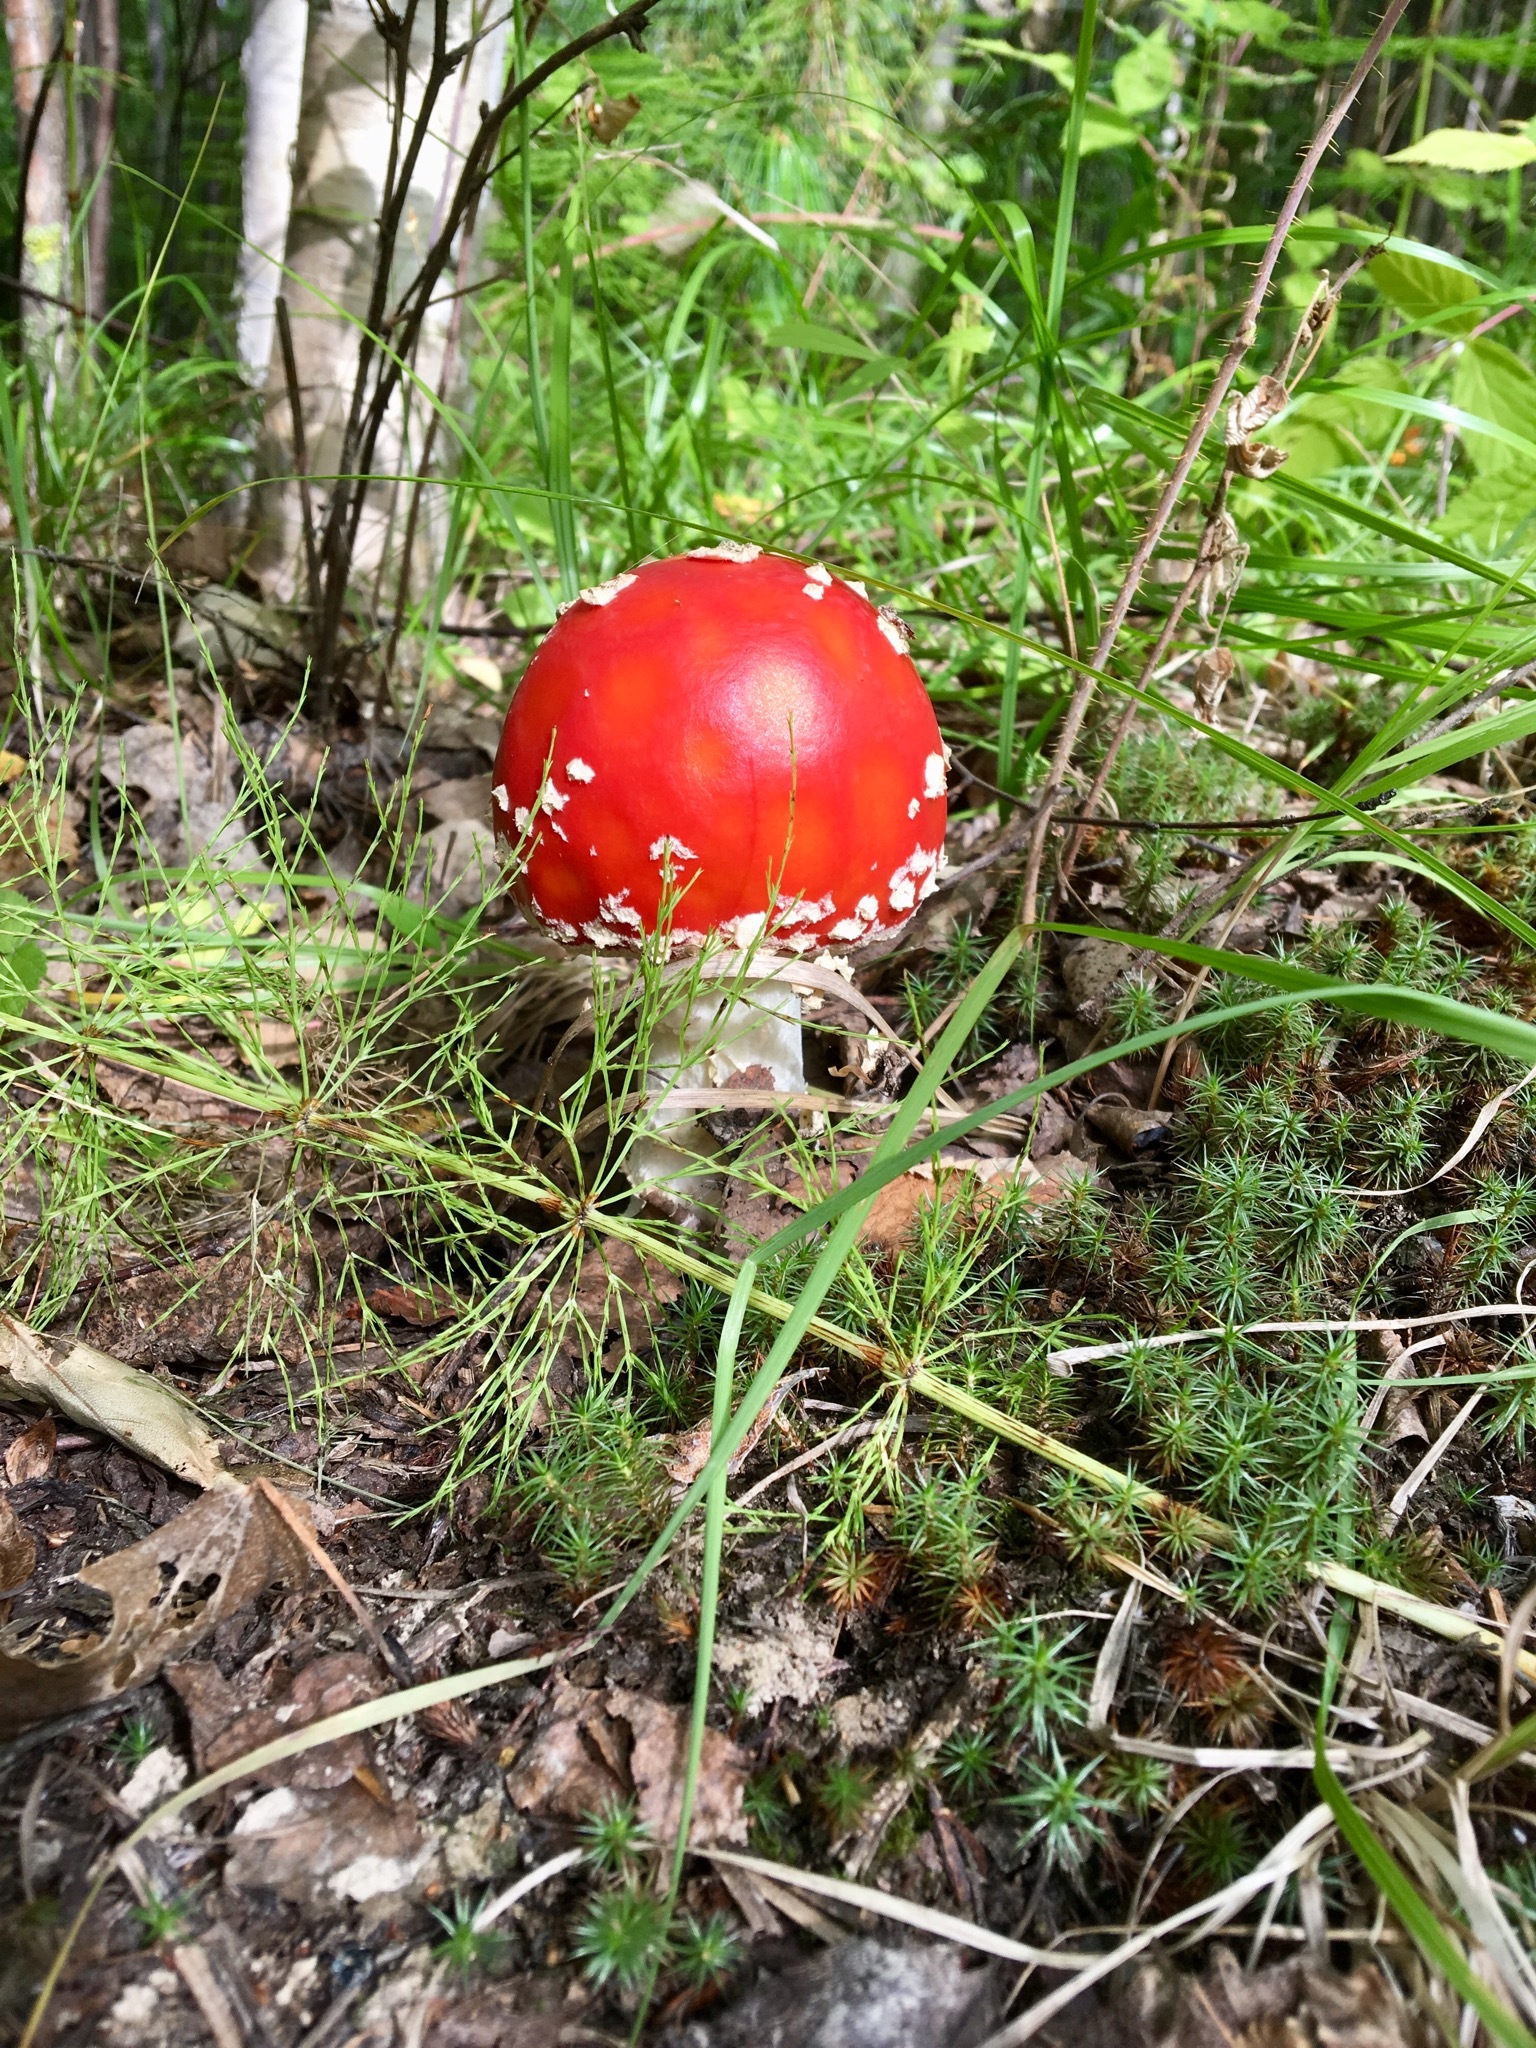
(38, 831)
(170, 1104)
(895, 1210)
(167, 1593)
(562, 1771)
(598, 1747)
(18, 1553)
(30, 1455)
(424, 1306)
(658, 1760)
(228, 1721)
(101, 1392)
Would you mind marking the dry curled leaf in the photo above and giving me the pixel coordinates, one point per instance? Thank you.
(30, 1455)
(1256, 459)
(101, 1392)
(658, 1762)
(594, 1748)
(1213, 672)
(1253, 410)
(167, 1592)
(609, 118)
(18, 1553)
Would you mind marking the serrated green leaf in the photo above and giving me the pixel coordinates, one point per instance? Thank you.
(1365, 171)
(1467, 149)
(18, 919)
(1493, 384)
(1425, 291)
(21, 972)
(1329, 429)
(1493, 514)
(1269, 26)
(1145, 76)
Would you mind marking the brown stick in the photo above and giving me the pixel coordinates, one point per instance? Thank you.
(1241, 342)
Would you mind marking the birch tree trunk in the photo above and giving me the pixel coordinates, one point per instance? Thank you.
(347, 124)
(272, 65)
(43, 210)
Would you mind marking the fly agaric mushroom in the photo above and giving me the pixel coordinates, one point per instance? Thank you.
(736, 747)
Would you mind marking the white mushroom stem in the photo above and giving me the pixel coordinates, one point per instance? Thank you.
(706, 1041)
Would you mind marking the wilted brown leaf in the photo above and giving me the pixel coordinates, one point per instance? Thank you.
(157, 1099)
(30, 1455)
(18, 1553)
(596, 1747)
(894, 1213)
(167, 1592)
(38, 831)
(1294, 2004)
(562, 1772)
(424, 1306)
(658, 1761)
(609, 118)
(229, 1719)
(101, 1392)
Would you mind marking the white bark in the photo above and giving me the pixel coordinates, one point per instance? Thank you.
(32, 31)
(339, 176)
(272, 65)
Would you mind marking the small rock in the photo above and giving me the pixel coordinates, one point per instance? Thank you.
(1090, 970)
(860, 1994)
(160, 1774)
(313, 1847)
(871, 1719)
(467, 1845)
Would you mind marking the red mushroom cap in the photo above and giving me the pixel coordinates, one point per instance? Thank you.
(706, 728)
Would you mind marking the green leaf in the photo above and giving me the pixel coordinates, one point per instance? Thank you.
(1299, 288)
(21, 971)
(1327, 429)
(1314, 238)
(1365, 171)
(1493, 514)
(1465, 149)
(1106, 128)
(18, 919)
(1269, 26)
(1055, 62)
(1494, 385)
(1146, 75)
(815, 339)
(1425, 291)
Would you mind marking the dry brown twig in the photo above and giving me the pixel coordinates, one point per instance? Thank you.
(1167, 504)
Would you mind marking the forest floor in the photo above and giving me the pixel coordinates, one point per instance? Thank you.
(999, 1704)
